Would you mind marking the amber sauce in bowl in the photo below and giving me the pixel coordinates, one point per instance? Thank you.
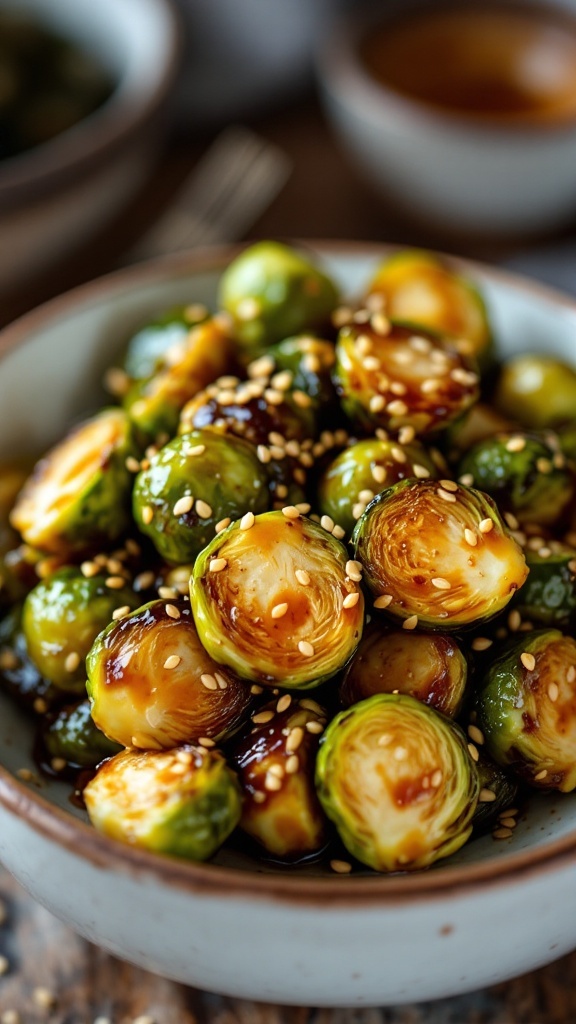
(494, 61)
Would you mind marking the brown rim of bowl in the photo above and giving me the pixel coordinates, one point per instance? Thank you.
(78, 837)
(109, 129)
(343, 74)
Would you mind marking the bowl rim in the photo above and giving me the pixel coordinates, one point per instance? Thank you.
(50, 166)
(81, 839)
(343, 74)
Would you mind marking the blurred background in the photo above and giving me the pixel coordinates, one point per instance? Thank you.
(107, 109)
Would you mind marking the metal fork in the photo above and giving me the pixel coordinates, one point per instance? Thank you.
(235, 180)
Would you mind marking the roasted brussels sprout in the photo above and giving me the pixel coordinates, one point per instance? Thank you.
(364, 469)
(395, 377)
(70, 735)
(480, 422)
(62, 617)
(420, 289)
(526, 709)
(154, 404)
(183, 802)
(437, 554)
(152, 685)
(275, 764)
(397, 780)
(148, 347)
(192, 484)
(537, 391)
(272, 291)
(18, 674)
(429, 667)
(79, 494)
(548, 598)
(497, 792)
(276, 599)
(523, 473)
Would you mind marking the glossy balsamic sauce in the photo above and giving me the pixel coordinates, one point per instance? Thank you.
(488, 60)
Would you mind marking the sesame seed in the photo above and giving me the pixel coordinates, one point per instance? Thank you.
(44, 998)
(481, 643)
(25, 774)
(436, 778)
(420, 471)
(261, 367)
(272, 783)
(183, 505)
(292, 764)
(473, 751)
(514, 620)
(511, 521)
(466, 479)
(351, 600)
(429, 386)
(72, 661)
(383, 601)
(261, 717)
(132, 464)
(172, 661)
(8, 660)
(508, 822)
(273, 397)
(502, 833)
(284, 702)
(419, 344)
(354, 570)
(258, 797)
(486, 525)
(445, 495)
(116, 381)
(40, 707)
(571, 674)
(364, 344)
(294, 739)
(358, 509)
(380, 323)
(410, 623)
(293, 449)
(400, 753)
(553, 692)
(311, 705)
(197, 449)
(470, 537)
(487, 796)
(147, 515)
(516, 444)
(263, 453)
(528, 660)
(397, 407)
(398, 388)
(341, 867)
(314, 727)
(282, 380)
(306, 648)
(222, 682)
(301, 399)
(208, 681)
(449, 485)
(144, 580)
(290, 512)
(278, 770)
(366, 495)
(303, 577)
(279, 610)
(256, 690)
(371, 363)
(465, 377)
(544, 465)
(276, 439)
(172, 611)
(475, 734)
(217, 564)
(327, 523)
(223, 524)
(203, 509)
(440, 583)
(339, 532)
(119, 613)
(385, 739)
(541, 775)
(377, 403)
(132, 547)
(58, 764)
(115, 582)
(379, 474)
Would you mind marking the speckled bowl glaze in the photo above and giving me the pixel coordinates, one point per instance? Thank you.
(296, 936)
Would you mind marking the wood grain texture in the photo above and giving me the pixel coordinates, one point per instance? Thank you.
(87, 984)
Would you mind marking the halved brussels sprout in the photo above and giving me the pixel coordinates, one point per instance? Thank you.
(420, 288)
(274, 600)
(526, 709)
(18, 674)
(397, 780)
(429, 667)
(148, 347)
(71, 735)
(275, 764)
(498, 790)
(79, 493)
(399, 377)
(537, 391)
(310, 361)
(525, 474)
(548, 598)
(193, 483)
(62, 617)
(351, 480)
(437, 554)
(154, 404)
(152, 685)
(182, 802)
(273, 291)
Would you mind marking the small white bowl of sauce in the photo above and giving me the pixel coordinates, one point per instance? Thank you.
(463, 113)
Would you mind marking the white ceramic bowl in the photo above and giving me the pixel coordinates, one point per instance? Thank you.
(299, 936)
(453, 172)
(55, 195)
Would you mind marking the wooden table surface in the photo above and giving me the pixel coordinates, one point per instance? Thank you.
(324, 198)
